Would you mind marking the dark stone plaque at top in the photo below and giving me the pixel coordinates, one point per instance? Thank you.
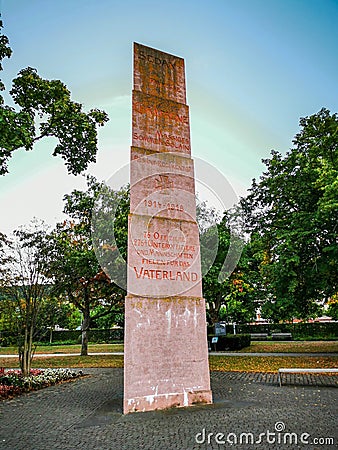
(159, 73)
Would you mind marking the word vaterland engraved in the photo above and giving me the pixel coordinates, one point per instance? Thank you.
(166, 354)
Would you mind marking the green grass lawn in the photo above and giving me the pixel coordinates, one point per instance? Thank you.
(217, 362)
(220, 363)
(255, 347)
(76, 348)
(268, 363)
(292, 347)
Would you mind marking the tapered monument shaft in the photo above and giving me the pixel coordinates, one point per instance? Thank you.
(166, 354)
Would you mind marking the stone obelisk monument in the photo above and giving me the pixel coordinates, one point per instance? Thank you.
(166, 354)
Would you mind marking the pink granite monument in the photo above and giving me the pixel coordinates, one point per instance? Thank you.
(166, 353)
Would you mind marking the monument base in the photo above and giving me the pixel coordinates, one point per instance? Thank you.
(174, 400)
(165, 353)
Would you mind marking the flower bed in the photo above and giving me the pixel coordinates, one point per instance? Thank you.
(12, 382)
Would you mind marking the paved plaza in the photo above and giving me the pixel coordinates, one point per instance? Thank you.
(250, 411)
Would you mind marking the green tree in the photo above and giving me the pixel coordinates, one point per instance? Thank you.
(73, 266)
(4, 258)
(107, 321)
(293, 209)
(246, 288)
(25, 287)
(332, 310)
(214, 292)
(44, 108)
(280, 310)
(55, 311)
(236, 298)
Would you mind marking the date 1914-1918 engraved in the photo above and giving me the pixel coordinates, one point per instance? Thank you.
(158, 205)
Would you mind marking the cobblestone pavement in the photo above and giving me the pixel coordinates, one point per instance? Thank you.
(250, 410)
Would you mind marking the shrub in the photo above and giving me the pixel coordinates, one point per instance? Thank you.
(231, 342)
(13, 383)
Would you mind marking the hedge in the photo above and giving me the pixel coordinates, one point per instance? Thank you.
(66, 336)
(231, 342)
(299, 330)
(95, 336)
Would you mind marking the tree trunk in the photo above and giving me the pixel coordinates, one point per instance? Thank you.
(85, 329)
(25, 352)
(215, 307)
(22, 354)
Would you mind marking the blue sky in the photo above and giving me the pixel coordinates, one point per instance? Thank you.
(253, 68)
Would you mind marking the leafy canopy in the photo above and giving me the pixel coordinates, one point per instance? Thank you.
(44, 108)
(72, 264)
(293, 211)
